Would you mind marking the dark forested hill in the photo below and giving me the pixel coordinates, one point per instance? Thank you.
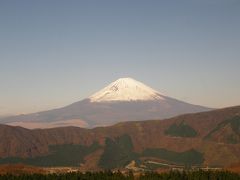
(208, 138)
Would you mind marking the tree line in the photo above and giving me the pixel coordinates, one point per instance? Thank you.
(109, 175)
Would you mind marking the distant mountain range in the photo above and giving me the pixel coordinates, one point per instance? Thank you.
(209, 139)
(123, 100)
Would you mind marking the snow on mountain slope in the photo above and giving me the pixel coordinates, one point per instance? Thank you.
(123, 100)
(126, 89)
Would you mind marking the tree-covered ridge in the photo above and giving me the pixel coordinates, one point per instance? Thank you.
(191, 175)
(180, 130)
(231, 129)
(108, 175)
(118, 152)
(191, 157)
(60, 155)
(235, 123)
(24, 143)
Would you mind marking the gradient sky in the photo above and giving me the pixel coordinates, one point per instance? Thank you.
(53, 53)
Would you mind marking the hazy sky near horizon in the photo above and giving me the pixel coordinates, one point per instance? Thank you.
(53, 53)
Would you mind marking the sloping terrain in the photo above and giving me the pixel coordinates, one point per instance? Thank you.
(190, 139)
(123, 100)
(227, 131)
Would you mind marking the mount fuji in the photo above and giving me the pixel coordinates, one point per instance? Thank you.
(123, 100)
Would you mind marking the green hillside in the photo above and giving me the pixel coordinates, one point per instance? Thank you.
(118, 152)
(191, 157)
(181, 130)
(60, 155)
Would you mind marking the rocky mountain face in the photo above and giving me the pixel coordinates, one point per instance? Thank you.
(123, 100)
(201, 139)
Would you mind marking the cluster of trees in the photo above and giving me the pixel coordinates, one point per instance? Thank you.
(191, 175)
(181, 130)
(117, 153)
(229, 138)
(58, 156)
(108, 175)
(187, 158)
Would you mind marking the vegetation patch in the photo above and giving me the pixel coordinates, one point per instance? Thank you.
(187, 158)
(181, 130)
(108, 175)
(191, 175)
(235, 126)
(60, 155)
(118, 152)
(154, 166)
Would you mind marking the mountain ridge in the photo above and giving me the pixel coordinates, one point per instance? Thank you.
(123, 100)
(145, 135)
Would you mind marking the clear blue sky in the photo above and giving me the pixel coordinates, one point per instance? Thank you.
(53, 53)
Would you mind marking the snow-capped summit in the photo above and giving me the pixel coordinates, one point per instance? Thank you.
(126, 89)
(123, 100)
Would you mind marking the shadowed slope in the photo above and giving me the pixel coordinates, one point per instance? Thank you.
(20, 142)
